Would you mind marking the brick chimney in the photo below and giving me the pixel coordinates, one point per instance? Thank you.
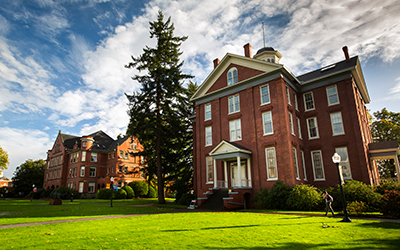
(346, 53)
(247, 50)
(216, 61)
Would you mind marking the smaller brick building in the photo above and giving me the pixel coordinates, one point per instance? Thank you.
(87, 163)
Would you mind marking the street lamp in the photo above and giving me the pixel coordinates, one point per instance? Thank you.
(336, 159)
(33, 190)
(111, 186)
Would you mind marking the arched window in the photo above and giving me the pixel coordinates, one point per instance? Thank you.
(232, 76)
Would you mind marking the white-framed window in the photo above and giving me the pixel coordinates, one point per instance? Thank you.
(92, 172)
(120, 169)
(308, 101)
(272, 171)
(84, 144)
(318, 165)
(108, 170)
(235, 129)
(291, 123)
(296, 164)
(337, 124)
(208, 136)
(332, 95)
(303, 162)
(126, 155)
(207, 109)
(288, 95)
(121, 154)
(264, 92)
(75, 171)
(267, 123)
(299, 128)
(344, 162)
(81, 186)
(296, 105)
(82, 171)
(234, 104)
(232, 76)
(312, 128)
(83, 155)
(93, 157)
(91, 188)
(210, 169)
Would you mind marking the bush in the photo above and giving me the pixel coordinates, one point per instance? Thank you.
(304, 197)
(120, 194)
(105, 193)
(152, 193)
(186, 199)
(391, 204)
(387, 186)
(130, 194)
(140, 188)
(64, 193)
(275, 198)
(357, 208)
(45, 193)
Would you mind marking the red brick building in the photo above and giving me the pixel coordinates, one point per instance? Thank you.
(257, 123)
(86, 163)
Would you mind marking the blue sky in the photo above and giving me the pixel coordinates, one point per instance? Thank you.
(62, 61)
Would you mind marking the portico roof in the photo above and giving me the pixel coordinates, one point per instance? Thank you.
(384, 150)
(228, 150)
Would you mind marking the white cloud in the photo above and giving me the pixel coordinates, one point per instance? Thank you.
(23, 144)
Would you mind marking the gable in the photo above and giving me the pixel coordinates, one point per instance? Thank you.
(247, 67)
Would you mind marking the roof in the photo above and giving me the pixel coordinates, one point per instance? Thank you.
(102, 141)
(384, 145)
(118, 142)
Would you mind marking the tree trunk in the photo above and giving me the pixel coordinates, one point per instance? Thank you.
(160, 179)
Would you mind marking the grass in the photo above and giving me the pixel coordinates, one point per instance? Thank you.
(194, 230)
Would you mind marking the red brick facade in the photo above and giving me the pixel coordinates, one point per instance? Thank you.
(325, 128)
(87, 163)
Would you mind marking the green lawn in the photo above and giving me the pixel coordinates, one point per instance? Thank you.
(195, 230)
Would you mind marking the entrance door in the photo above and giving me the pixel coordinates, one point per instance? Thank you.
(235, 182)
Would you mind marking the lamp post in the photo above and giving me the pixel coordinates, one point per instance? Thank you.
(336, 159)
(112, 188)
(33, 190)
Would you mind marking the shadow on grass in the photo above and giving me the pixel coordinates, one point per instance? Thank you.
(381, 224)
(210, 228)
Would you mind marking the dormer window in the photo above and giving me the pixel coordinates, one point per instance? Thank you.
(232, 76)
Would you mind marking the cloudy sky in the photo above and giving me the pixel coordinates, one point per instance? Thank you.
(62, 61)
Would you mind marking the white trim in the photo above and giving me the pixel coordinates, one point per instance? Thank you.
(337, 95)
(296, 163)
(205, 112)
(261, 95)
(210, 144)
(291, 124)
(299, 128)
(322, 165)
(237, 127)
(304, 164)
(232, 70)
(316, 127)
(234, 104)
(263, 121)
(341, 123)
(305, 103)
(288, 95)
(267, 166)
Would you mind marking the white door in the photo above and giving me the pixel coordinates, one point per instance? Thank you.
(235, 182)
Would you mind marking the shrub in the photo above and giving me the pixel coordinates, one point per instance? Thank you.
(357, 208)
(260, 199)
(45, 193)
(186, 199)
(391, 204)
(140, 188)
(387, 186)
(275, 198)
(105, 193)
(152, 193)
(304, 197)
(120, 194)
(64, 193)
(130, 194)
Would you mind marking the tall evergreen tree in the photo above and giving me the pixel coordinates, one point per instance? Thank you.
(159, 111)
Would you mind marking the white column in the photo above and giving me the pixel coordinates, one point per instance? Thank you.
(396, 163)
(249, 172)
(226, 173)
(215, 173)
(239, 171)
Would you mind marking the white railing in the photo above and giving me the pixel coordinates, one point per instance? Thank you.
(222, 184)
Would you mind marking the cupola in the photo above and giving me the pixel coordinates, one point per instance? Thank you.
(87, 142)
(268, 54)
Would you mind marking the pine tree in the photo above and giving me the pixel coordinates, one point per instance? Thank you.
(159, 112)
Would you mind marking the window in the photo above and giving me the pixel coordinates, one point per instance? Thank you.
(235, 130)
(207, 109)
(264, 94)
(232, 76)
(92, 172)
(234, 104)
(317, 165)
(120, 169)
(272, 172)
(126, 155)
(309, 101)
(112, 169)
(91, 187)
(298, 127)
(93, 157)
(304, 165)
(109, 156)
(82, 171)
(83, 155)
(312, 128)
(337, 125)
(267, 121)
(121, 154)
(296, 164)
(332, 95)
(296, 105)
(344, 162)
(291, 123)
(81, 187)
(210, 169)
(143, 160)
(108, 170)
(75, 170)
(208, 136)
(288, 95)
(84, 144)
(126, 170)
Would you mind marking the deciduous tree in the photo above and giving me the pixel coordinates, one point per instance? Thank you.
(3, 159)
(159, 112)
(29, 173)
